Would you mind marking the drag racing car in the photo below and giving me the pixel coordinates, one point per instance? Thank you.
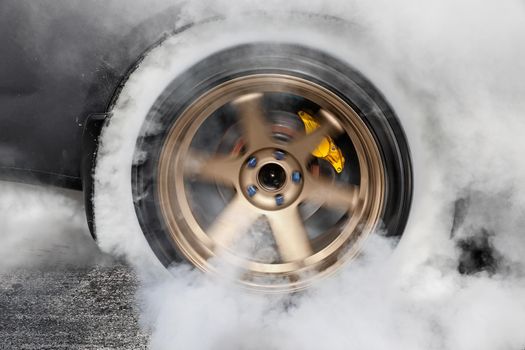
(271, 156)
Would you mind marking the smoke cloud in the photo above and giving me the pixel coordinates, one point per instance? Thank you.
(44, 229)
(455, 74)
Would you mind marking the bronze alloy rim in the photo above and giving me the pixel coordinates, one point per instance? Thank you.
(270, 188)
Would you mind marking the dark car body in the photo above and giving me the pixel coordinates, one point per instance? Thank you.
(61, 63)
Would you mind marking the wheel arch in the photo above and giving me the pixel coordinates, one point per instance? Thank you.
(94, 123)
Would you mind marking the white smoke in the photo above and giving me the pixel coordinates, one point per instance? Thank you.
(44, 228)
(455, 74)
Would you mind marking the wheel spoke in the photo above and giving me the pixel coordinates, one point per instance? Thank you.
(235, 219)
(290, 234)
(223, 169)
(251, 115)
(332, 195)
(303, 146)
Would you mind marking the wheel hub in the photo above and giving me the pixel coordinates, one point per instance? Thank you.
(271, 179)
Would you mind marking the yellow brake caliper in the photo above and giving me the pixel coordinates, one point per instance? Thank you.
(327, 149)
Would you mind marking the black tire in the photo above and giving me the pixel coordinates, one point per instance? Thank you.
(303, 62)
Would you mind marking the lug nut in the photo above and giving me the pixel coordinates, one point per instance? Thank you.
(279, 155)
(279, 199)
(296, 176)
(251, 190)
(252, 162)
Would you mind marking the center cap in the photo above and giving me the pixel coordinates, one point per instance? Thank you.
(272, 176)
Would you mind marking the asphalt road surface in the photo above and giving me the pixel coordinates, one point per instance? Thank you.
(74, 308)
